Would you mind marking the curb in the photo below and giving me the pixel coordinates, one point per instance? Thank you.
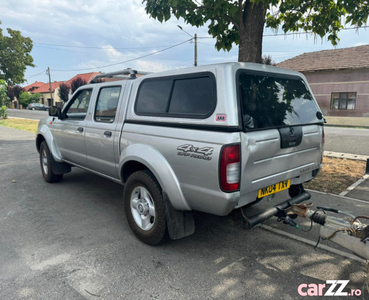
(353, 186)
(22, 118)
(345, 155)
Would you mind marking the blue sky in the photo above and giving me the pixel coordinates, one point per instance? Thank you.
(93, 34)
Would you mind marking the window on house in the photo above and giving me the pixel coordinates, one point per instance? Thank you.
(343, 101)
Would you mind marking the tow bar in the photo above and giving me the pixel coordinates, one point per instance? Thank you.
(345, 230)
(278, 210)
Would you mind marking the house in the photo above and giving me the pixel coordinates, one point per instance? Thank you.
(87, 77)
(44, 88)
(34, 86)
(45, 93)
(338, 78)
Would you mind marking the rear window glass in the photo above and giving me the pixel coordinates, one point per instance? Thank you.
(269, 102)
(193, 97)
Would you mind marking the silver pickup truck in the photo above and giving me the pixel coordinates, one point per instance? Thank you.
(211, 139)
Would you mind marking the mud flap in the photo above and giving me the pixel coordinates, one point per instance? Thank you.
(179, 223)
(59, 168)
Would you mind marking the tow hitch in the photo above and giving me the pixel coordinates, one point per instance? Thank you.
(278, 210)
(345, 230)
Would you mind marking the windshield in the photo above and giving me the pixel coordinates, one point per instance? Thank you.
(274, 101)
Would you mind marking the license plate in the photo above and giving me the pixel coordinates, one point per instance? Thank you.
(283, 185)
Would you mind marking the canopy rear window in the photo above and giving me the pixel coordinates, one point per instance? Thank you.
(270, 101)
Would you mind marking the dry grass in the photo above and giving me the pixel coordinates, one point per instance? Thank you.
(337, 175)
(21, 124)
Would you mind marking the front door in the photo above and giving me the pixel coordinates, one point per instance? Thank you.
(69, 133)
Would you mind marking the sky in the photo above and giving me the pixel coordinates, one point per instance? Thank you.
(81, 36)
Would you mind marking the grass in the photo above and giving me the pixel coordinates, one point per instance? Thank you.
(21, 124)
(337, 175)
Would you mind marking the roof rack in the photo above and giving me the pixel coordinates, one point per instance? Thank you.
(126, 73)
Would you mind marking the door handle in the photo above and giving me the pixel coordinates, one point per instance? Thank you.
(107, 133)
(80, 129)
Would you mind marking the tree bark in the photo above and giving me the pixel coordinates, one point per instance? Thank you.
(251, 32)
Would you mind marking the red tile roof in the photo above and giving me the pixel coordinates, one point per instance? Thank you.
(346, 58)
(46, 88)
(86, 77)
(34, 85)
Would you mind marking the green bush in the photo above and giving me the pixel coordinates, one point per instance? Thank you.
(26, 98)
(3, 112)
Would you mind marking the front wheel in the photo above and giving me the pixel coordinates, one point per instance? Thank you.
(144, 207)
(45, 162)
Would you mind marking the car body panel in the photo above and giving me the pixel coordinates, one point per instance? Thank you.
(184, 153)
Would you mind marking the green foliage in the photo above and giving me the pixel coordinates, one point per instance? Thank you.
(3, 93)
(228, 17)
(3, 112)
(64, 92)
(322, 17)
(14, 56)
(26, 98)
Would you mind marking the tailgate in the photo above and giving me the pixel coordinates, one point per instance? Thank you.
(265, 162)
(282, 136)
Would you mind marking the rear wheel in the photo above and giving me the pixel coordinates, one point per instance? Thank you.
(144, 207)
(46, 164)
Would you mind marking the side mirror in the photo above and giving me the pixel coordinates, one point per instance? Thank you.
(55, 112)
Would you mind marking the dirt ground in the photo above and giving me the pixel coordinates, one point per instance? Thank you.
(337, 175)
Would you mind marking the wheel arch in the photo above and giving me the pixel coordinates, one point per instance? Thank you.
(138, 157)
(44, 134)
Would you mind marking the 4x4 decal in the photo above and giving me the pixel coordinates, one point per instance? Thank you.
(195, 152)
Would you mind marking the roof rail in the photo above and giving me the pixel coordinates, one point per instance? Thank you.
(126, 73)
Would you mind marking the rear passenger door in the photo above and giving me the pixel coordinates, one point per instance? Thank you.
(102, 134)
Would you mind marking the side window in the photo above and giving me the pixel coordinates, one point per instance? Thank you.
(180, 96)
(79, 105)
(192, 96)
(154, 96)
(106, 105)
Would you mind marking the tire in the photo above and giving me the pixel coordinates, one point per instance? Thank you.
(46, 164)
(144, 208)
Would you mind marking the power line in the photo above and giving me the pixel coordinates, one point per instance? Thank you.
(122, 62)
(35, 74)
(94, 47)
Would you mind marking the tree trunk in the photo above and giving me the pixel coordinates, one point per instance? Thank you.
(251, 32)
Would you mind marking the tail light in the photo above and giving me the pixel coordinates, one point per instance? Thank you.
(230, 168)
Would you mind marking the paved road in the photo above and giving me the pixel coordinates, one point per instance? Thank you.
(28, 114)
(70, 240)
(347, 140)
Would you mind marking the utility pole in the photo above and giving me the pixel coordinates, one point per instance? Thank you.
(195, 50)
(51, 90)
(195, 42)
